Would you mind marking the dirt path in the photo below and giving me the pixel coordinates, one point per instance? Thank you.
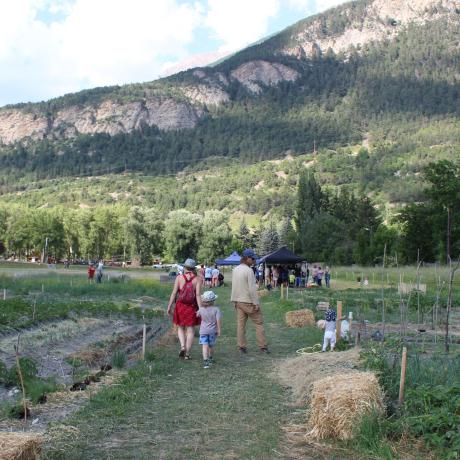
(173, 409)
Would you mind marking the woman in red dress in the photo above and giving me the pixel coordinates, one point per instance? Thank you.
(186, 294)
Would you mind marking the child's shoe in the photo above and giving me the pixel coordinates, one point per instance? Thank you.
(206, 364)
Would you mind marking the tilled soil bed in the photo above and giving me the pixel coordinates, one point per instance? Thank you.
(59, 348)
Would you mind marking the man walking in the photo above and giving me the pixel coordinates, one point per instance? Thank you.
(246, 301)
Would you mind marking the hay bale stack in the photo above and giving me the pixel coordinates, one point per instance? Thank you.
(300, 318)
(339, 402)
(321, 324)
(20, 446)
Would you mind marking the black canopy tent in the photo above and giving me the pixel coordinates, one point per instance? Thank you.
(282, 256)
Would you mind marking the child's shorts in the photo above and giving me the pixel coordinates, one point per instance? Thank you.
(208, 339)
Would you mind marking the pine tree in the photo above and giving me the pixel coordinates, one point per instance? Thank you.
(268, 239)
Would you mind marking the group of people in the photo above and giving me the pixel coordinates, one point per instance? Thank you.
(210, 276)
(97, 270)
(192, 309)
(294, 276)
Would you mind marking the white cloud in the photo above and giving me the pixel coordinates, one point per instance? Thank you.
(313, 6)
(98, 43)
(323, 5)
(52, 47)
(240, 22)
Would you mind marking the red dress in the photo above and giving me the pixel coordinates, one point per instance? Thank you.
(186, 308)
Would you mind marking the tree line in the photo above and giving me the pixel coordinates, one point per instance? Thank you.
(345, 228)
(340, 227)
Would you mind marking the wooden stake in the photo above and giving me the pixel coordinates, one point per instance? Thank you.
(287, 292)
(403, 376)
(43, 288)
(144, 334)
(339, 321)
(21, 379)
(282, 291)
(4, 294)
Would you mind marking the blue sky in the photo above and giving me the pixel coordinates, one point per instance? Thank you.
(52, 47)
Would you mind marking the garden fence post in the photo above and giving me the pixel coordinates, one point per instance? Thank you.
(403, 376)
(339, 322)
(144, 333)
(21, 379)
(350, 321)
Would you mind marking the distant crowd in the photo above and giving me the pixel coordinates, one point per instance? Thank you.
(294, 276)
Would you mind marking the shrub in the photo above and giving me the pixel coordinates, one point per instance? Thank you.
(119, 359)
(433, 412)
(29, 371)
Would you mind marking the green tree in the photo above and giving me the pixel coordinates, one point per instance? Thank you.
(105, 235)
(444, 177)
(216, 237)
(144, 234)
(268, 239)
(418, 233)
(182, 234)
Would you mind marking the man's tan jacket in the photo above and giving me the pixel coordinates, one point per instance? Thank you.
(244, 287)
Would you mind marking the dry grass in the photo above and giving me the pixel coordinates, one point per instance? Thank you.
(300, 318)
(299, 373)
(339, 401)
(20, 446)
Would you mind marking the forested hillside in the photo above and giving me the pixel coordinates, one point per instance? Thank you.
(364, 120)
(388, 89)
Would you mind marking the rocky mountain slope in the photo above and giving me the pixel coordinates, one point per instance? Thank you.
(180, 102)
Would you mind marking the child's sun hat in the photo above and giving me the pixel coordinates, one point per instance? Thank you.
(208, 296)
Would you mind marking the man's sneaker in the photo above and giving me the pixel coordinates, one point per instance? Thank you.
(211, 360)
(265, 350)
(206, 364)
(243, 350)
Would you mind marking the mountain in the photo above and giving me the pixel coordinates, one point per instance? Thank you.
(381, 73)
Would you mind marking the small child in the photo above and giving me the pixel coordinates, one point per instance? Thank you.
(210, 326)
(329, 329)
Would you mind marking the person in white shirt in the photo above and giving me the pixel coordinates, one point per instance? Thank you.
(246, 301)
(215, 276)
(208, 276)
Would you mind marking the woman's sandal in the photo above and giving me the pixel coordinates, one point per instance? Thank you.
(182, 353)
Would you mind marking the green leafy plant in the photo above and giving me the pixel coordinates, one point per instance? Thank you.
(119, 358)
(433, 412)
(29, 371)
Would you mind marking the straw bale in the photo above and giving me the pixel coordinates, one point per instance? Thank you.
(300, 372)
(338, 402)
(300, 318)
(20, 446)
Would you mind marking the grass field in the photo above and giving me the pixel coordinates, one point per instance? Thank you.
(171, 409)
